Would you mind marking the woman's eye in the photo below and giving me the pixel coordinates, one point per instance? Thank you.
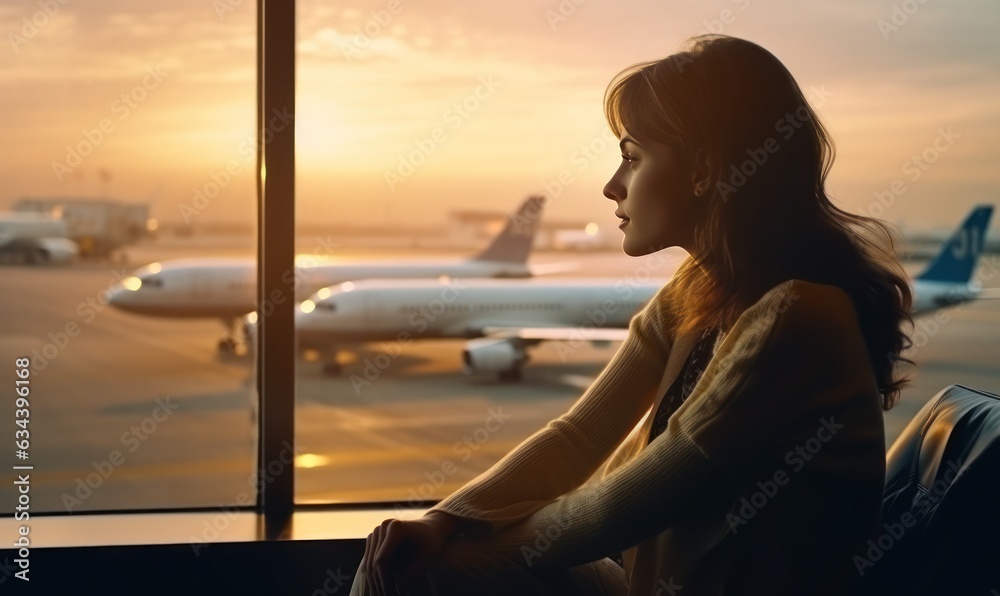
(628, 158)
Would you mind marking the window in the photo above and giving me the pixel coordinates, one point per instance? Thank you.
(132, 126)
(422, 126)
(420, 131)
(417, 131)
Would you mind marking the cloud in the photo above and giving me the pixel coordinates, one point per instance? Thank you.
(360, 110)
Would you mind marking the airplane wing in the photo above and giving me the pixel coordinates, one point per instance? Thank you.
(557, 333)
(988, 294)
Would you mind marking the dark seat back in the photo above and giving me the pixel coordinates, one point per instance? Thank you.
(941, 506)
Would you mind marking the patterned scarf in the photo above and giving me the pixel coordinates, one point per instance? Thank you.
(682, 386)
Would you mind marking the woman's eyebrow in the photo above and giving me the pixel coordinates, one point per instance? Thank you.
(628, 139)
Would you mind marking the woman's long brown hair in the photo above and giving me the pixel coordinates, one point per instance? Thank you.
(768, 216)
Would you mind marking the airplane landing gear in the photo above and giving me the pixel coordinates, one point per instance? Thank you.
(235, 339)
(227, 345)
(512, 374)
(515, 373)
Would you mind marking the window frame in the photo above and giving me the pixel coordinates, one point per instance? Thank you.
(275, 354)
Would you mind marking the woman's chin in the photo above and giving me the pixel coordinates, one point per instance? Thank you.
(633, 250)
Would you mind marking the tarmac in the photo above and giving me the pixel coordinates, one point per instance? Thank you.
(132, 412)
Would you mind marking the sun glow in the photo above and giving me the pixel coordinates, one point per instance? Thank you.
(323, 136)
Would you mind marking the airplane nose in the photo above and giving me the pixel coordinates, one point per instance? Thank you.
(249, 331)
(117, 297)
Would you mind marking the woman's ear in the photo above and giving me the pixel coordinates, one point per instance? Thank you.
(700, 173)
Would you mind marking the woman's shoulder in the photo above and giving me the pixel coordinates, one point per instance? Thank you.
(805, 310)
(807, 298)
(794, 304)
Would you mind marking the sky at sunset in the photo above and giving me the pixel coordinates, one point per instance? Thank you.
(495, 99)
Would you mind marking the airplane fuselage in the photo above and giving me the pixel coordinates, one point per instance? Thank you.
(929, 296)
(418, 309)
(226, 288)
(380, 310)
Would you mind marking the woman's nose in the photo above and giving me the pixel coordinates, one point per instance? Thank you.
(614, 190)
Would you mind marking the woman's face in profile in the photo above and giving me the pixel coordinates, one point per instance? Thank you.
(654, 192)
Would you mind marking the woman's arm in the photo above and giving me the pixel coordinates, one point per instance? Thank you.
(451, 525)
(567, 452)
(550, 463)
(754, 390)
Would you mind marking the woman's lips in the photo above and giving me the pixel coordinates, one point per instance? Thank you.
(623, 223)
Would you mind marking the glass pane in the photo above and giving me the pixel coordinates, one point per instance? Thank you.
(421, 134)
(130, 132)
(423, 127)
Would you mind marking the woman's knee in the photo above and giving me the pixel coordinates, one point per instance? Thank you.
(469, 566)
(472, 567)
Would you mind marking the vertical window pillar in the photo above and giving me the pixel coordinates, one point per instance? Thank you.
(275, 351)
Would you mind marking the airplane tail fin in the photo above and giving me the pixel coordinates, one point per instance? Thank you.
(513, 244)
(958, 258)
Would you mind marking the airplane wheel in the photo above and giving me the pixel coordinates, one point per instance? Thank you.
(36, 257)
(332, 369)
(511, 375)
(227, 345)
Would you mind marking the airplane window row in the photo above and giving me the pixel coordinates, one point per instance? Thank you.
(151, 282)
(494, 306)
(517, 306)
(501, 306)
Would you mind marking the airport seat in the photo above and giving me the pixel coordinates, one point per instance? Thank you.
(941, 530)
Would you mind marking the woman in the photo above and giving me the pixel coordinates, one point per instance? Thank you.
(762, 369)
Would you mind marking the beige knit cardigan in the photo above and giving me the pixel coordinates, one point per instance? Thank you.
(767, 480)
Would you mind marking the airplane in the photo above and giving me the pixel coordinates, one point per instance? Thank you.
(225, 288)
(502, 319)
(35, 238)
(947, 281)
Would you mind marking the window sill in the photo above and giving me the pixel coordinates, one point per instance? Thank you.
(209, 552)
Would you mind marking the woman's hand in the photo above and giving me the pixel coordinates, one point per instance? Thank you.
(397, 551)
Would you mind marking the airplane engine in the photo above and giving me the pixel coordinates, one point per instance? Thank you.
(58, 250)
(499, 356)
